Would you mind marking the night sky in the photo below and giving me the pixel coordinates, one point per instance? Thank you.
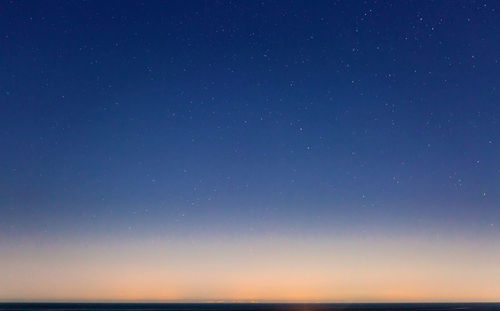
(250, 150)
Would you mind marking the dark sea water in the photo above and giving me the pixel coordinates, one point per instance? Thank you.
(246, 307)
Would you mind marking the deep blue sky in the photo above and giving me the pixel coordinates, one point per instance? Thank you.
(205, 117)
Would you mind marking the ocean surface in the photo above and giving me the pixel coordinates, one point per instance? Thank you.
(247, 307)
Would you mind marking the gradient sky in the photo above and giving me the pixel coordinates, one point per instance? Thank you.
(250, 150)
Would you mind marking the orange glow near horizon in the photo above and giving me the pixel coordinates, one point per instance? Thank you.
(258, 269)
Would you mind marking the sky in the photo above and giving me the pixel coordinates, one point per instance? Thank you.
(312, 151)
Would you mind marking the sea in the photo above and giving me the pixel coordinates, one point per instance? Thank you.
(247, 306)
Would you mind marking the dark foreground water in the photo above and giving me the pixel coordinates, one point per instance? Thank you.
(246, 307)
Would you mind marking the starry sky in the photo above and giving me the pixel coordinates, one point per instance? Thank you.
(249, 150)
